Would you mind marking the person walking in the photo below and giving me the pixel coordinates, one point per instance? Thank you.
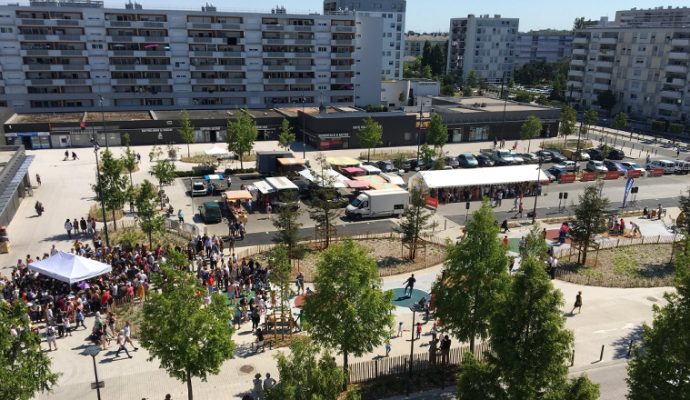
(68, 228)
(121, 344)
(180, 216)
(419, 330)
(82, 225)
(400, 328)
(578, 304)
(299, 282)
(75, 225)
(128, 335)
(504, 226)
(409, 284)
(387, 346)
(445, 349)
(38, 179)
(74, 156)
(269, 382)
(51, 338)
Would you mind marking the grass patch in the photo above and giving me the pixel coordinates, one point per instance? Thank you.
(201, 158)
(567, 144)
(95, 212)
(377, 155)
(131, 312)
(131, 236)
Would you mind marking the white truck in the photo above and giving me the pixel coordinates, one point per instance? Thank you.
(378, 203)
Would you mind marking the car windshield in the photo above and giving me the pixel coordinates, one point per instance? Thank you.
(356, 202)
(198, 186)
(633, 165)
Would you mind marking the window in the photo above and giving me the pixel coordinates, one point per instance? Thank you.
(6, 30)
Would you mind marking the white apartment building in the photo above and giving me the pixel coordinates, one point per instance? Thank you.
(392, 15)
(414, 43)
(482, 44)
(541, 46)
(642, 58)
(77, 55)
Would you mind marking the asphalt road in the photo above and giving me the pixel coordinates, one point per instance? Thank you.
(611, 379)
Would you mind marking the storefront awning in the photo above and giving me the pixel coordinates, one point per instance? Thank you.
(476, 177)
(376, 182)
(353, 170)
(234, 195)
(214, 177)
(290, 161)
(342, 162)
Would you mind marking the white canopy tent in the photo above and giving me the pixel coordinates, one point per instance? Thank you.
(332, 178)
(70, 268)
(216, 151)
(448, 178)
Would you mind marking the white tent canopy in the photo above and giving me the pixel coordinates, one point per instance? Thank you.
(215, 151)
(331, 178)
(425, 180)
(70, 268)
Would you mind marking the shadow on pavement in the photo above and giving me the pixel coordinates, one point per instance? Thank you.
(621, 346)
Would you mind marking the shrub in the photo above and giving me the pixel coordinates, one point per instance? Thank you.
(676, 128)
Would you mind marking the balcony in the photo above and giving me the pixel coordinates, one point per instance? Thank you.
(600, 86)
(678, 69)
(342, 42)
(31, 21)
(577, 73)
(575, 84)
(580, 40)
(680, 42)
(579, 52)
(668, 106)
(577, 63)
(677, 82)
(288, 41)
(602, 75)
(608, 41)
(677, 55)
(670, 94)
(342, 67)
(341, 55)
(343, 29)
(341, 80)
(604, 64)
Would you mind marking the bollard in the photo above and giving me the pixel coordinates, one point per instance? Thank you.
(445, 225)
(601, 356)
(630, 348)
(572, 358)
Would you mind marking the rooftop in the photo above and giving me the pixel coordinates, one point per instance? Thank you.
(45, 118)
(487, 104)
(193, 114)
(118, 116)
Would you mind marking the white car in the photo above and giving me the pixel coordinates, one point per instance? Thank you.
(668, 166)
(570, 166)
(596, 166)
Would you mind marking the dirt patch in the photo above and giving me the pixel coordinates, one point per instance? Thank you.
(95, 213)
(630, 266)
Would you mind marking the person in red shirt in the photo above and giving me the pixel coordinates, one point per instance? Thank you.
(105, 298)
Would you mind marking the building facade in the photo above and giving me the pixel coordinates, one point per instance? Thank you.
(641, 58)
(78, 55)
(414, 43)
(408, 92)
(536, 46)
(392, 15)
(482, 44)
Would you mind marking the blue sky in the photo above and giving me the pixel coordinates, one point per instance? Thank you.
(434, 15)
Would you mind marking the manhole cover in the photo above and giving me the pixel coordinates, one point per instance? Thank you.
(246, 369)
(651, 298)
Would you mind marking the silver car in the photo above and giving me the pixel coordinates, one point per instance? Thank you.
(596, 166)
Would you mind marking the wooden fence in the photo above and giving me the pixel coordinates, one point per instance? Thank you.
(387, 366)
(615, 242)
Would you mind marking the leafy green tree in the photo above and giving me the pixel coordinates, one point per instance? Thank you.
(590, 118)
(281, 270)
(415, 220)
(426, 154)
(568, 121)
(287, 135)
(530, 129)
(474, 279)
(24, 367)
(112, 186)
(620, 122)
(348, 311)
(660, 367)
(241, 135)
(684, 205)
(535, 245)
(523, 96)
(437, 134)
(447, 90)
(129, 162)
(186, 130)
(370, 135)
(467, 91)
(426, 53)
(427, 73)
(472, 79)
(287, 224)
(304, 376)
(325, 208)
(590, 219)
(189, 338)
(579, 23)
(437, 60)
(164, 171)
(145, 198)
(606, 100)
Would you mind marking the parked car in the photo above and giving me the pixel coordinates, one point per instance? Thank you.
(484, 161)
(569, 166)
(385, 166)
(545, 155)
(452, 162)
(596, 166)
(549, 175)
(467, 160)
(632, 166)
(414, 164)
(406, 165)
(199, 188)
(502, 157)
(575, 155)
(682, 167)
(556, 172)
(615, 166)
(668, 166)
(530, 158)
(595, 154)
(615, 154)
(557, 157)
(210, 212)
(517, 159)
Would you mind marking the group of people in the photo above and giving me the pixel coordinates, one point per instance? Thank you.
(495, 193)
(80, 227)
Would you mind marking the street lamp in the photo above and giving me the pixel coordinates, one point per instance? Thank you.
(414, 308)
(419, 128)
(93, 352)
(96, 147)
(304, 135)
(100, 102)
(536, 194)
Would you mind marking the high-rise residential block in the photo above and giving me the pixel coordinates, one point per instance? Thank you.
(641, 58)
(77, 55)
(542, 46)
(414, 43)
(482, 44)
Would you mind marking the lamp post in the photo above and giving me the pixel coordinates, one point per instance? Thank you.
(93, 352)
(419, 128)
(96, 147)
(304, 135)
(536, 194)
(100, 102)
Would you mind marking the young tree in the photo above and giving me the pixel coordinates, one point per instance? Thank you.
(186, 130)
(684, 205)
(24, 367)
(415, 220)
(472, 79)
(287, 135)
(348, 311)
(189, 339)
(325, 208)
(281, 270)
(241, 135)
(288, 226)
(426, 154)
(112, 186)
(590, 219)
(129, 162)
(437, 60)
(606, 100)
(590, 118)
(474, 279)
(370, 135)
(660, 368)
(304, 376)
(145, 199)
(163, 171)
(530, 129)
(620, 122)
(568, 121)
(437, 134)
(467, 91)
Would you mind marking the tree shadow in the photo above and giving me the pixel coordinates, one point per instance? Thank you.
(621, 346)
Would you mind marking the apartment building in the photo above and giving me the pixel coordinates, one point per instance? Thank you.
(482, 44)
(77, 55)
(542, 46)
(392, 20)
(641, 57)
(414, 43)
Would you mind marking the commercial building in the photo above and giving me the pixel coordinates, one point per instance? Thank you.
(392, 21)
(15, 182)
(542, 46)
(407, 92)
(482, 44)
(414, 43)
(641, 58)
(76, 55)
(473, 119)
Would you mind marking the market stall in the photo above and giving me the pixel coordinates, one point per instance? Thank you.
(234, 200)
(342, 162)
(70, 268)
(288, 165)
(353, 171)
(377, 182)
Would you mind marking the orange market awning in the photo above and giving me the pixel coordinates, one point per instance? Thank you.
(358, 184)
(290, 161)
(376, 182)
(233, 195)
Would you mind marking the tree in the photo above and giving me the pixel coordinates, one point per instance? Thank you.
(437, 60)
(660, 367)
(427, 73)
(287, 135)
(164, 171)
(447, 90)
(281, 270)
(112, 186)
(472, 79)
(414, 221)
(579, 23)
(304, 376)
(288, 225)
(530, 129)
(325, 208)
(241, 135)
(606, 100)
(370, 135)
(189, 339)
(24, 367)
(567, 123)
(426, 53)
(590, 219)
(590, 118)
(620, 122)
(474, 279)
(426, 154)
(129, 162)
(684, 205)
(348, 311)
(186, 130)
(467, 91)
(437, 133)
(145, 198)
